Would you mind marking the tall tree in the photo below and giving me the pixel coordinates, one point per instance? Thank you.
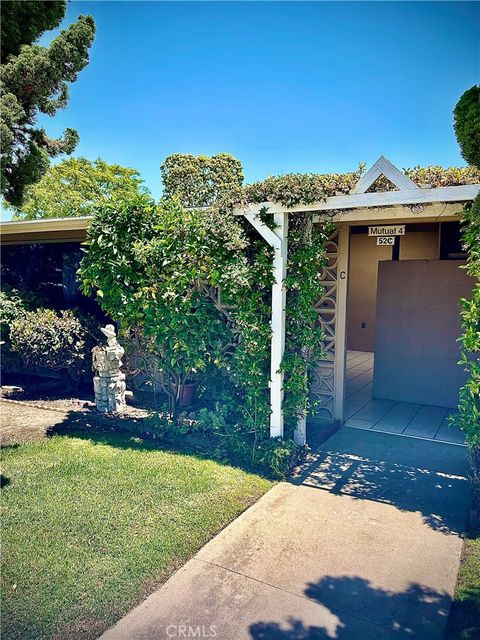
(75, 186)
(34, 79)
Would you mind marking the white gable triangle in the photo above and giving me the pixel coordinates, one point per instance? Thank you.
(384, 167)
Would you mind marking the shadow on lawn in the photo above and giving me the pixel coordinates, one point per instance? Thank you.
(355, 609)
(411, 475)
(129, 433)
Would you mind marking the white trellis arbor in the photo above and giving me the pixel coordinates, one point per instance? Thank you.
(407, 203)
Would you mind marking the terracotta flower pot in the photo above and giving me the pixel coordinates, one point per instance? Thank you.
(188, 395)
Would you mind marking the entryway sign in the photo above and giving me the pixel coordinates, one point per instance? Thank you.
(387, 241)
(387, 230)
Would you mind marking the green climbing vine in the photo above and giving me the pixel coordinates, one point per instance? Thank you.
(193, 286)
(192, 283)
(469, 404)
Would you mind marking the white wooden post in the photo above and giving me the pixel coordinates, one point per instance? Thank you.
(278, 325)
(300, 433)
(341, 321)
(278, 239)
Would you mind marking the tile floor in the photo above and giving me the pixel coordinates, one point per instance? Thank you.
(364, 412)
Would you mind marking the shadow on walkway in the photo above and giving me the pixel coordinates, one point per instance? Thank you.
(410, 474)
(417, 612)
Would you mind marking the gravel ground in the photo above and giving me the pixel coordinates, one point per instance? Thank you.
(21, 423)
(29, 412)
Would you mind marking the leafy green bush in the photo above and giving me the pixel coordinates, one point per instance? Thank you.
(203, 422)
(194, 286)
(210, 421)
(45, 338)
(13, 306)
(162, 426)
(274, 456)
(277, 456)
(468, 417)
(467, 130)
(467, 125)
(152, 268)
(469, 405)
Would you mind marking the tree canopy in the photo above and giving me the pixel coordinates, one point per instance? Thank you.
(23, 22)
(467, 125)
(75, 186)
(34, 79)
(200, 181)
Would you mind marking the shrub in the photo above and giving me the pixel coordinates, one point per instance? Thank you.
(13, 306)
(203, 422)
(277, 456)
(162, 426)
(210, 421)
(469, 404)
(153, 268)
(467, 130)
(11, 309)
(468, 417)
(44, 338)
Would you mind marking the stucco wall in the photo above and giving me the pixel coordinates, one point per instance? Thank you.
(362, 291)
(362, 288)
(416, 352)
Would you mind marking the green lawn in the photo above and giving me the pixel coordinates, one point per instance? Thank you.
(89, 527)
(464, 621)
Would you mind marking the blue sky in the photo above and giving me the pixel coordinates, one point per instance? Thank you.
(283, 86)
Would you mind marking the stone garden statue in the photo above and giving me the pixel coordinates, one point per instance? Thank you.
(109, 381)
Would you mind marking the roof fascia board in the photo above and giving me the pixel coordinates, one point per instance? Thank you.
(49, 224)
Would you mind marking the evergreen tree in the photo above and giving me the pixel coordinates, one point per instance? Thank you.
(23, 22)
(34, 79)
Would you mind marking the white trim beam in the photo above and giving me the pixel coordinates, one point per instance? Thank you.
(461, 193)
(273, 238)
(384, 167)
(432, 212)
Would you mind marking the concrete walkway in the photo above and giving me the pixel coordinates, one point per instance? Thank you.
(363, 544)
